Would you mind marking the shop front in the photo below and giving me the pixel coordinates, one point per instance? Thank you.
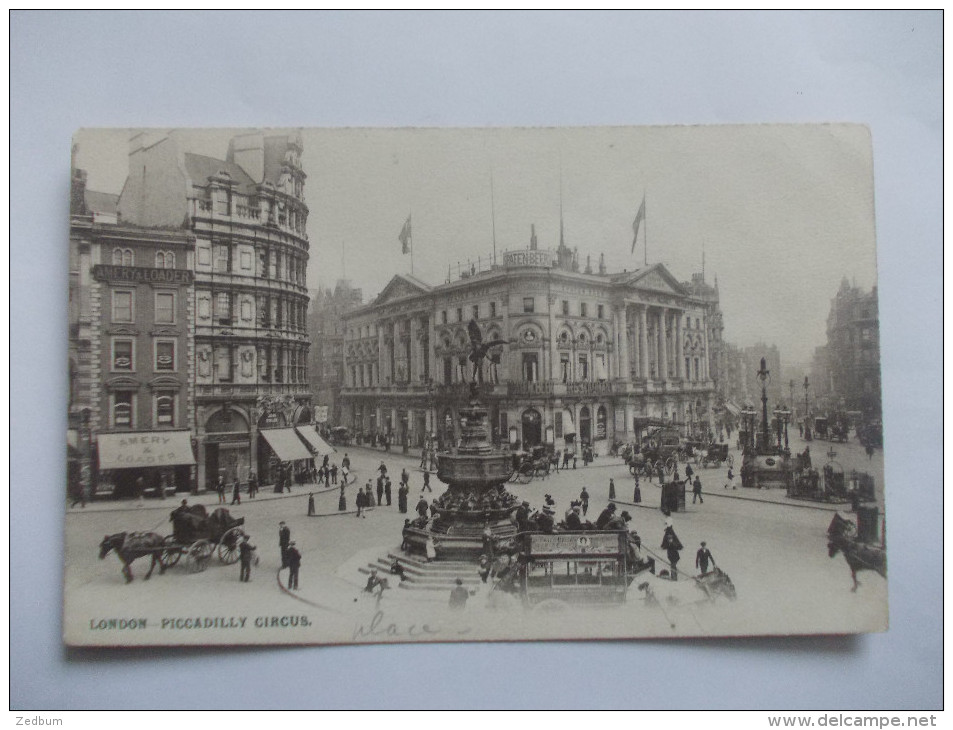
(145, 463)
(282, 454)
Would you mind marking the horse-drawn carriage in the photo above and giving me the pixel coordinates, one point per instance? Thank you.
(530, 464)
(661, 449)
(340, 436)
(715, 455)
(195, 534)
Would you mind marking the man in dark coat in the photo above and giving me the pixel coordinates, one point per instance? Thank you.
(284, 539)
(573, 521)
(702, 557)
(605, 516)
(426, 487)
(422, 507)
(387, 488)
(402, 498)
(380, 490)
(697, 490)
(237, 493)
(522, 517)
(246, 552)
(294, 563)
(584, 498)
(672, 545)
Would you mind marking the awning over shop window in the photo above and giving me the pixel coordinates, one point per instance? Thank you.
(286, 444)
(310, 434)
(732, 408)
(148, 448)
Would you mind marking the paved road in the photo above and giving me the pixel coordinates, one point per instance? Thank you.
(775, 553)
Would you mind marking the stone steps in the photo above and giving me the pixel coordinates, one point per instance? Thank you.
(440, 575)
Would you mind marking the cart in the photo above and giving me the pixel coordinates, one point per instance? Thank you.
(198, 536)
(716, 454)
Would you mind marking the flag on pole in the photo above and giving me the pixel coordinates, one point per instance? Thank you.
(638, 222)
(405, 236)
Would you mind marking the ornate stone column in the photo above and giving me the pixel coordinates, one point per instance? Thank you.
(625, 370)
(679, 346)
(644, 342)
(413, 366)
(662, 346)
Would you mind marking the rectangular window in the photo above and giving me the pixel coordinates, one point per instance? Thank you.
(165, 408)
(443, 316)
(583, 310)
(205, 255)
(530, 367)
(601, 311)
(223, 364)
(122, 409)
(476, 311)
(459, 314)
(529, 305)
(246, 310)
(564, 367)
(205, 306)
(565, 307)
(123, 358)
(222, 258)
(165, 307)
(223, 308)
(447, 371)
(165, 355)
(583, 367)
(122, 306)
(492, 309)
(246, 260)
(248, 363)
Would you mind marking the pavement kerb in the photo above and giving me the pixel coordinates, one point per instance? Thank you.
(822, 507)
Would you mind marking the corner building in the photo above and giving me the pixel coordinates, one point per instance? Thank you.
(248, 218)
(593, 357)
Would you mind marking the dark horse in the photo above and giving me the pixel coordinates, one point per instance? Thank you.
(841, 536)
(132, 545)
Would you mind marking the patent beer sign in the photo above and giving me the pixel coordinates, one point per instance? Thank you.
(141, 275)
(529, 257)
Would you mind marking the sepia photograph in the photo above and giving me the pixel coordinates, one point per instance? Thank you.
(334, 386)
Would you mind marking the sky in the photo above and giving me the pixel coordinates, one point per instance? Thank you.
(778, 213)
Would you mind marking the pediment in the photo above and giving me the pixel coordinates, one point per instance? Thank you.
(656, 278)
(401, 287)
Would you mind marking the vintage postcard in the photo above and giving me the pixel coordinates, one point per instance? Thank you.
(335, 386)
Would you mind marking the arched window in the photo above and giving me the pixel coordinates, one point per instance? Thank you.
(601, 417)
(165, 260)
(123, 257)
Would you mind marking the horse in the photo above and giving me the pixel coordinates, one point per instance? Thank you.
(859, 556)
(132, 545)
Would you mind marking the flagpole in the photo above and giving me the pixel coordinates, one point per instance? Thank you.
(645, 222)
(410, 218)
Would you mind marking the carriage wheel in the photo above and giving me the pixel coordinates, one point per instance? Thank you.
(228, 551)
(670, 465)
(171, 553)
(198, 555)
(526, 473)
(730, 461)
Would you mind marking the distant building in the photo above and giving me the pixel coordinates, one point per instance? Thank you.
(853, 351)
(326, 329)
(592, 357)
(776, 387)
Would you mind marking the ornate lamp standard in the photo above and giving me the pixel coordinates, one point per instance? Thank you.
(807, 423)
(764, 375)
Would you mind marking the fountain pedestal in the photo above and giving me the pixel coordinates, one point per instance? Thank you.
(476, 500)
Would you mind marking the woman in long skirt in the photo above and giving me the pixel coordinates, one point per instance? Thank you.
(342, 501)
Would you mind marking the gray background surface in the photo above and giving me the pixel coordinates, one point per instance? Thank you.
(472, 69)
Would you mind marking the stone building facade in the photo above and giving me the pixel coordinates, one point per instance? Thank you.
(248, 218)
(326, 329)
(593, 357)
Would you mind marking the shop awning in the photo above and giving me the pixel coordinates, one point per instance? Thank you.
(147, 448)
(286, 444)
(310, 434)
(732, 408)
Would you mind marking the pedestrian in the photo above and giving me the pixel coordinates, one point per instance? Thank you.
(697, 491)
(245, 553)
(284, 539)
(433, 459)
(459, 596)
(430, 548)
(522, 517)
(661, 473)
(637, 491)
(404, 476)
(359, 502)
(611, 489)
(346, 461)
(397, 569)
(574, 460)
(689, 472)
(345, 474)
(566, 458)
(380, 490)
(422, 507)
(426, 487)
(402, 499)
(342, 501)
(730, 482)
(423, 458)
(489, 544)
(573, 521)
(220, 489)
(702, 557)
(484, 568)
(252, 485)
(584, 498)
(387, 488)
(141, 488)
(327, 476)
(368, 497)
(311, 504)
(605, 516)
(334, 473)
(672, 545)
(294, 563)
(237, 493)
(382, 468)
(869, 449)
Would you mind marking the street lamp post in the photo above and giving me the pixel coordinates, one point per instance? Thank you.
(807, 423)
(764, 376)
